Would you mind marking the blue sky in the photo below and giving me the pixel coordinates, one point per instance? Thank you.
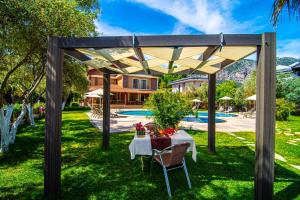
(126, 17)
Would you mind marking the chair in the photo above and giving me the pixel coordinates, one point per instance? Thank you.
(171, 158)
(151, 126)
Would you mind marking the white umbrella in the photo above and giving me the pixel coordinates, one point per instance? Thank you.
(196, 101)
(92, 95)
(251, 98)
(226, 98)
(95, 92)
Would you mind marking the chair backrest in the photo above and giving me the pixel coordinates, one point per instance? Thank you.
(178, 152)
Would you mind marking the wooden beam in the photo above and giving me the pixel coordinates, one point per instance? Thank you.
(115, 63)
(265, 118)
(211, 112)
(106, 110)
(77, 54)
(139, 54)
(175, 56)
(162, 41)
(54, 70)
(209, 52)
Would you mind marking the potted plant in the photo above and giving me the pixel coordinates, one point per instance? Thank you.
(140, 129)
(168, 107)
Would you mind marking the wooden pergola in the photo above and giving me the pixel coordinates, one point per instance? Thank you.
(157, 55)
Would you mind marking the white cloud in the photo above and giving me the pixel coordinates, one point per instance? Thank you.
(106, 29)
(208, 16)
(180, 29)
(288, 48)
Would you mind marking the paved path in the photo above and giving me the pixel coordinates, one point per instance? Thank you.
(126, 123)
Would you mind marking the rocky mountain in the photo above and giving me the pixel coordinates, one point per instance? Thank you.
(240, 70)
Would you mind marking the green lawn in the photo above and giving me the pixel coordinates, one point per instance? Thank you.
(90, 173)
(285, 131)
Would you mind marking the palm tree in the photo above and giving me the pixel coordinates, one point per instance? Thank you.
(293, 7)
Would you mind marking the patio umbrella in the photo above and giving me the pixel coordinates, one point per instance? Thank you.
(252, 98)
(226, 98)
(196, 101)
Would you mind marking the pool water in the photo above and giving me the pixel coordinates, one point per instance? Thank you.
(149, 113)
(202, 117)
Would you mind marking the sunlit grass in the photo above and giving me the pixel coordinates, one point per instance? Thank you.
(88, 172)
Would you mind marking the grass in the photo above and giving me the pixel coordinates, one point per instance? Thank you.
(90, 173)
(285, 131)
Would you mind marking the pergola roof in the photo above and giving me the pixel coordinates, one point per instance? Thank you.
(159, 60)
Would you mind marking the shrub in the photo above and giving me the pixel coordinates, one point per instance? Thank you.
(282, 110)
(74, 105)
(37, 106)
(17, 108)
(168, 107)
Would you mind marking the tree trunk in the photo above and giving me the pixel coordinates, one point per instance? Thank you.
(5, 117)
(30, 114)
(15, 125)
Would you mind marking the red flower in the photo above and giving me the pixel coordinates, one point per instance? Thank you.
(139, 127)
(168, 131)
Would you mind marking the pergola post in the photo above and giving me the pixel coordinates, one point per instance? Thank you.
(53, 118)
(265, 117)
(106, 109)
(211, 112)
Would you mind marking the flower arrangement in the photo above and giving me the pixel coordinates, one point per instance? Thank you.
(168, 131)
(140, 129)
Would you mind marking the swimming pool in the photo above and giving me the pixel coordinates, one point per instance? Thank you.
(149, 113)
(201, 119)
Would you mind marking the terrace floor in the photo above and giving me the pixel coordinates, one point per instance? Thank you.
(88, 172)
(125, 124)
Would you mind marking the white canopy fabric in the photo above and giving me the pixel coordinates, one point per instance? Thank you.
(226, 98)
(196, 100)
(251, 98)
(98, 92)
(92, 95)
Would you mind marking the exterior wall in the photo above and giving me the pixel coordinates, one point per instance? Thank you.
(182, 87)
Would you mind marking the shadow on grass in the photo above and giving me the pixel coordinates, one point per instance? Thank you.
(88, 172)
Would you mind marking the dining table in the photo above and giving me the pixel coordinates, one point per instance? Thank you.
(141, 145)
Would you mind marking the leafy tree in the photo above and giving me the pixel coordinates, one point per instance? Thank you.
(202, 92)
(227, 88)
(239, 98)
(25, 26)
(250, 85)
(164, 80)
(168, 107)
(293, 7)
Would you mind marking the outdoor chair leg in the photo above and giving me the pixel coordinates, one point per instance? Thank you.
(187, 174)
(167, 181)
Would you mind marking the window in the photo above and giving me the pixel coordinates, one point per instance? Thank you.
(143, 84)
(135, 83)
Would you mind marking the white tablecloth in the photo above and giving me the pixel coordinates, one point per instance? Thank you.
(142, 145)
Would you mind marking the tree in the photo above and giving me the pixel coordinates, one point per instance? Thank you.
(164, 80)
(293, 7)
(202, 92)
(25, 26)
(250, 84)
(168, 107)
(227, 88)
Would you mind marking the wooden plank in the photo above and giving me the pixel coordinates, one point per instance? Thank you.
(162, 41)
(106, 110)
(175, 56)
(265, 118)
(139, 54)
(209, 52)
(77, 54)
(52, 152)
(211, 112)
